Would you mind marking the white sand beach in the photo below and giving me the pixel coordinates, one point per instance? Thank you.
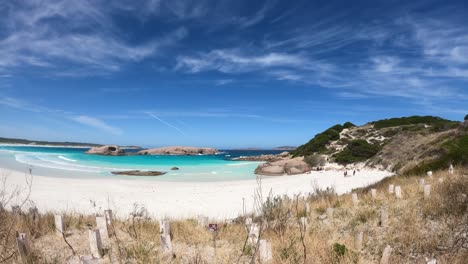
(218, 200)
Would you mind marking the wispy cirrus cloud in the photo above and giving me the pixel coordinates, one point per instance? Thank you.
(81, 35)
(89, 121)
(97, 123)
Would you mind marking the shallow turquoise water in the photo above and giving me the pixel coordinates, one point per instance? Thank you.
(72, 162)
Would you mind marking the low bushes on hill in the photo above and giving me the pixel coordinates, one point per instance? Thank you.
(356, 151)
(437, 122)
(318, 143)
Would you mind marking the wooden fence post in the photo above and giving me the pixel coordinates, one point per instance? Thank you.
(265, 251)
(383, 217)
(101, 224)
(358, 240)
(386, 255)
(427, 191)
(398, 194)
(24, 250)
(59, 225)
(95, 243)
(165, 236)
(355, 199)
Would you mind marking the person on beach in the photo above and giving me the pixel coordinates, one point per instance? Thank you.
(354, 172)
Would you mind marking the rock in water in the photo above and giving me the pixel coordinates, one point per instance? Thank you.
(174, 168)
(108, 150)
(139, 173)
(179, 151)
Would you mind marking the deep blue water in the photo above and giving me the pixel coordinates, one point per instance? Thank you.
(72, 162)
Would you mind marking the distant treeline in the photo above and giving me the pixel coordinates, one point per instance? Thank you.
(38, 142)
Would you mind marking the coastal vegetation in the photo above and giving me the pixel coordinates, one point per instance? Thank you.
(436, 122)
(356, 151)
(407, 144)
(320, 141)
(418, 229)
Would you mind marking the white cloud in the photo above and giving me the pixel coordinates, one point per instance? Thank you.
(385, 63)
(81, 34)
(96, 123)
(232, 61)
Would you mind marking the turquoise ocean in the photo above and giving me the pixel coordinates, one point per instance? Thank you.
(73, 163)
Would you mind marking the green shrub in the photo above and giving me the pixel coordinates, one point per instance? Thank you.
(356, 151)
(340, 249)
(348, 125)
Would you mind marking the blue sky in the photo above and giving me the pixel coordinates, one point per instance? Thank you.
(226, 74)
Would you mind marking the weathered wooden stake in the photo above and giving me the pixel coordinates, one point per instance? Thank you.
(427, 191)
(265, 251)
(101, 224)
(391, 189)
(304, 224)
(59, 225)
(307, 208)
(421, 183)
(373, 193)
(109, 216)
(450, 169)
(386, 255)
(202, 221)
(165, 235)
(429, 174)
(398, 192)
(355, 199)
(24, 251)
(383, 217)
(95, 243)
(330, 213)
(248, 223)
(254, 233)
(358, 240)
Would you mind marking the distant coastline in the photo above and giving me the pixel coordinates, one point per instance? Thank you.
(41, 143)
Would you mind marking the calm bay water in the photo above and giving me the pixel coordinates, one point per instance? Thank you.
(72, 162)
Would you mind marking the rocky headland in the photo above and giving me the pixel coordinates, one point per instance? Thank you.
(113, 150)
(179, 150)
(107, 150)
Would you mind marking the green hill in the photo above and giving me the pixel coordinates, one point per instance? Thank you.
(406, 144)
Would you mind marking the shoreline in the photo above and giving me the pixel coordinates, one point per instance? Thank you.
(177, 200)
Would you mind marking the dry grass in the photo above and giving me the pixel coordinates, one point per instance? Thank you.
(418, 229)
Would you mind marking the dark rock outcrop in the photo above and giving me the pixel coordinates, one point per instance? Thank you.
(139, 173)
